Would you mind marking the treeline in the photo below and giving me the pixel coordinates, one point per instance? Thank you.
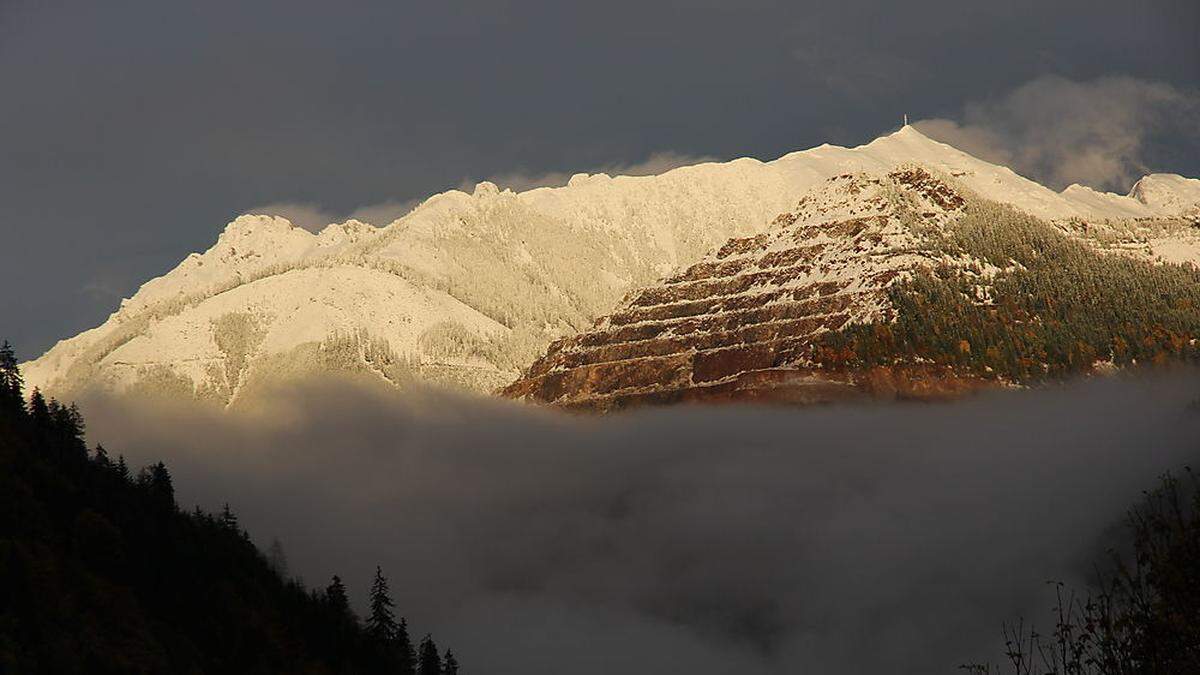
(101, 572)
(1143, 615)
(1036, 304)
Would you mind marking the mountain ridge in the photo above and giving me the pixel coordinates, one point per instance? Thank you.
(468, 289)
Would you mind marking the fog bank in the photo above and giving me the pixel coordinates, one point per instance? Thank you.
(686, 540)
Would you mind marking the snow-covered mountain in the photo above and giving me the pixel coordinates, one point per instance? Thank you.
(467, 289)
(901, 284)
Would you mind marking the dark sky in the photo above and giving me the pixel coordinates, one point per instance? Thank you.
(131, 132)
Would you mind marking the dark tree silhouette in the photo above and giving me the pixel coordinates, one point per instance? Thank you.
(229, 519)
(429, 662)
(406, 655)
(122, 468)
(12, 397)
(381, 622)
(335, 595)
(101, 456)
(449, 664)
(39, 412)
(156, 480)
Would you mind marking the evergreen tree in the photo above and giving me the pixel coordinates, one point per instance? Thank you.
(39, 412)
(381, 624)
(228, 520)
(68, 427)
(160, 485)
(122, 468)
(11, 384)
(73, 419)
(449, 664)
(429, 662)
(101, 456)
(404, 649)
(335, 595)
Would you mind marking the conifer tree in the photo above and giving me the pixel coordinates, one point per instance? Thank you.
(160, 484)
(122, 468)
(335, 595)
(429, 662)
(68, 426)
(39, 412)
(11, 384)
(404, 649)
(228, 519)
(449, 664)
(381, 623)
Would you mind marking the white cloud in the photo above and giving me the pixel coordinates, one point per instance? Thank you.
(656, 163)
(314, 217)
(308, 216)
(1061, 131)
(383, 213)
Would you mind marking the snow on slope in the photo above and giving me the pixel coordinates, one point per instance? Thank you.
(1168, 193)
(468, 288)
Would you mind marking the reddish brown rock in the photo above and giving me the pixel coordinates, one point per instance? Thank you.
(743, 323)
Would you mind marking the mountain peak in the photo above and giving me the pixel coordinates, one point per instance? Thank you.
(910, 135)
(486, 189)
(1168, 192)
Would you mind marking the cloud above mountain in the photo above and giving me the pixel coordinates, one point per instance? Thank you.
(314, 217)
(728, 540)
(655, 163)
(1060, 131)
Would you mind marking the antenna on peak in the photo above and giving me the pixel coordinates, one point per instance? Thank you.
(905, 119)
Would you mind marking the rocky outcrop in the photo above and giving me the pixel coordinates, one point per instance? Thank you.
(742, 323)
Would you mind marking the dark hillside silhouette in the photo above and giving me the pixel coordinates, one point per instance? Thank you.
(101, 572)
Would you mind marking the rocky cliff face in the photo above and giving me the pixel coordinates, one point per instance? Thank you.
(742, 321)
(752, 320)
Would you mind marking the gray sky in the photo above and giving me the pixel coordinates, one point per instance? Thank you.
(131, 132)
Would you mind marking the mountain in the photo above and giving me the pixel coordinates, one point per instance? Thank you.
(904, 284)
(468, 289)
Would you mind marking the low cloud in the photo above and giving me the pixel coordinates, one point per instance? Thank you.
(308, 216)
(1060, 131)
(384, 213)
(656, 163)
(314, 217)
(729, 540)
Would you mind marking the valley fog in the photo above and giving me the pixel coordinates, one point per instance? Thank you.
(686, 540)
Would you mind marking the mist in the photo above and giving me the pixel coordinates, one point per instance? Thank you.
(1058, 131)
(686, 540)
